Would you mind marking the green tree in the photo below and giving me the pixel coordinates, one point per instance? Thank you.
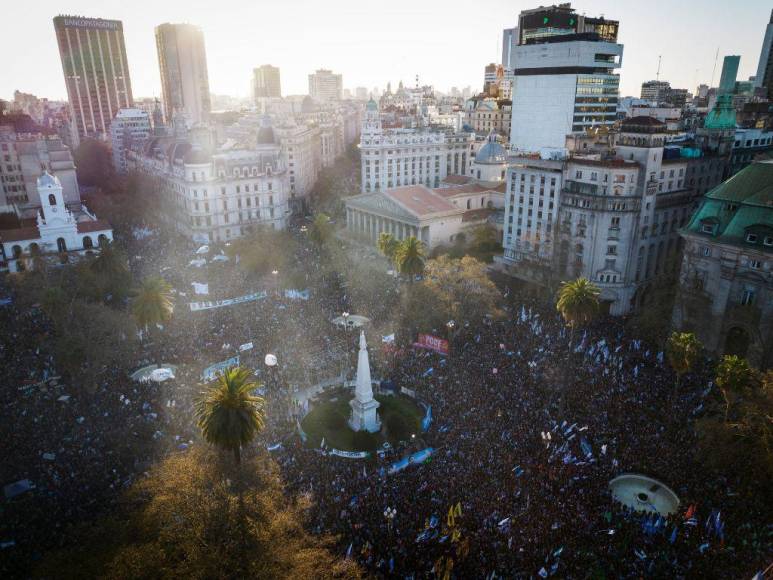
(153, 303)
(485, 243)
(682, 351)
(578, 302)
(410, 258)
(321, 230)
(228, 414)
(94, 164)
(462, 288)
(194, 516)
(387, 245)
(735, 378)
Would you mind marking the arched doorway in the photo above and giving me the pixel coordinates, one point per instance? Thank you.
(61, 245)
(87, 243)
(737, 341)
(103, 241)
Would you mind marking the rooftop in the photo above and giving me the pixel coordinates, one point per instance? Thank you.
(420, 200)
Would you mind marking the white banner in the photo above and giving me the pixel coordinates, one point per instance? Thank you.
(209, 373)
(246, 346)
(349, 454)
(196, 306)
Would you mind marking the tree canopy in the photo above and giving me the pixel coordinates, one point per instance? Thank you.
(194, 516)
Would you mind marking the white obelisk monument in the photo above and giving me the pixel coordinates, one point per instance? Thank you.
(364, 416)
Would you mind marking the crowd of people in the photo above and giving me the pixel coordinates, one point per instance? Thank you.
(530, 423)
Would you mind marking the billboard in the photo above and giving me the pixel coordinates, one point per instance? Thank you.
(430, 342)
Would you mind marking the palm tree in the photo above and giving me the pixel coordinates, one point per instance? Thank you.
(228, 414)
(734, 378)
(153, 302)
(387, 245)
(682, 351)
(409, 257)
(578, 302)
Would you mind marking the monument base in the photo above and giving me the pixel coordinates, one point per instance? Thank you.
(364, 416)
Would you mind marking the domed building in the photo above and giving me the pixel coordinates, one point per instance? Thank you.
(490, 162)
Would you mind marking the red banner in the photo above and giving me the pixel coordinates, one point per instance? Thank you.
(439, 345)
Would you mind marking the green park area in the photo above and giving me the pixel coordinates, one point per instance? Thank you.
(400, 418)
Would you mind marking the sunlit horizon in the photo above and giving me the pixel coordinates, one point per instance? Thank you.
(446, 44)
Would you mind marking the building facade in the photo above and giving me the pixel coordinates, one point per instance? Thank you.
(54, 228)
(96, 71)
(266, 82)
(395, 157)
(486, 115)
(325, 86)
(212, 197)
(129, 126)
(610, 211)
(764, 77)
(24, 157)
(564, 76)
(726, 282)
(182, 62)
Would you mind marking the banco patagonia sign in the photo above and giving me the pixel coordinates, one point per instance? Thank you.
(90, 23)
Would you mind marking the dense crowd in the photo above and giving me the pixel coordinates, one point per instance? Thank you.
(530, 423)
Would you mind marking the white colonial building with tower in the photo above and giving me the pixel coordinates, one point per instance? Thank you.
(55, 229)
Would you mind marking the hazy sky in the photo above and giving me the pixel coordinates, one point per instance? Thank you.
(446, 42)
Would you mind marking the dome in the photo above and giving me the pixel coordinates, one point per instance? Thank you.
(492, 153)
(266, 132)
(371, 106)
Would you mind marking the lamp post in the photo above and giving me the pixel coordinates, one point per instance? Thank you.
(275, 274)
(389, 514)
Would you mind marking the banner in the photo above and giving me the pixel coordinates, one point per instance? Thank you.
(430, 342)
(297, 294)
(408, 392)
(418, 457)
(246, 346)
(209, 373)
(196, 306)
(349, 454)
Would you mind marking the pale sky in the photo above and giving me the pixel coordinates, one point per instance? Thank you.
(446, 42)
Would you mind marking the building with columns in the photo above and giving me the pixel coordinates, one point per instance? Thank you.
(399, 157)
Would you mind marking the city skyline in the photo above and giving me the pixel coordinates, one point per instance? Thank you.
(433, 42)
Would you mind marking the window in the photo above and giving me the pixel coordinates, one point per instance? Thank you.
(706, 251)
(748, 295)
(611, 250)
(768, 241)
(51, 199)
(751, 238)
(755, 264)
(707, 228)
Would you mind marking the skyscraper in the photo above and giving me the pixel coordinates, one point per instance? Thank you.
(182, 60)
(564, 79)
(96, 71)
(325, 86)
(764, 76)
(509, 40)
(266, 82)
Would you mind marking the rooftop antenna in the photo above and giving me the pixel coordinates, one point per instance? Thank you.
(714, 70)
(657, 75)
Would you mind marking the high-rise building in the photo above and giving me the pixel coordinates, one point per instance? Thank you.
(655, 91)
(182, 60)
(764, 76)
(96, 71)
(564, 79)
(130, 128)
(509, 40)
(266, 82)
(325, 86)
(729, 74)
(489, 76)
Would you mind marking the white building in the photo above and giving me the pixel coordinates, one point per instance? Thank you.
(564, 79)
(55, 230)
(325, 86)
(130, 127)
(395, 157)
(220, 196)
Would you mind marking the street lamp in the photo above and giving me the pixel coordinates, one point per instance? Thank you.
(276, 283)
(389, 514)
